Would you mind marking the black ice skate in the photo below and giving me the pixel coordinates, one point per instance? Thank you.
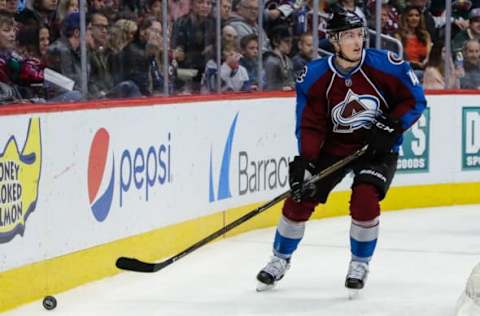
(356, 277)
(271, 273)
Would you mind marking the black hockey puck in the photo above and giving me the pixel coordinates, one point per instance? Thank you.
(49, 302)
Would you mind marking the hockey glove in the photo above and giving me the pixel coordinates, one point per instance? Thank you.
(382, 137)
(301, 170)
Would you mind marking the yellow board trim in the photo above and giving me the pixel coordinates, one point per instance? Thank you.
(34, 281)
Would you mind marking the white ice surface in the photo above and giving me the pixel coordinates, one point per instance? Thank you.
(420, 267)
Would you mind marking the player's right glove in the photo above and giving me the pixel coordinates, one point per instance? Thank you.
(382, 137)
(301, 170)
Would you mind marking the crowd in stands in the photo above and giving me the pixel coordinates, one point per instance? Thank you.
(125, 45)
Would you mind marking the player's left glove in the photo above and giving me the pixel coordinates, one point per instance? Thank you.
(382, 137)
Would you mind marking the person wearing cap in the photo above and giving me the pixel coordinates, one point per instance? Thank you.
(357, 102)
(63, 55)
(472, 32)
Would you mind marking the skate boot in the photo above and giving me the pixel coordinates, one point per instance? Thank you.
(271, 273)
(356, 277)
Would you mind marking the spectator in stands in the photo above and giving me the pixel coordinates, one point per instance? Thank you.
(193, 39)
(3, 5)
(277, 64)
(65, 7)
(277, 12)
(434, 75)
(15, 71)
(249, 59)
(225, 11)
(178, 8)
(234, 76)
(415, 37)
(122, 33)
(471, 65)
(11, 6)
(43, 41)
(389, 19)
(63, 55)
(389, 25)
(351, 5)
(229, 36)
(245, 21)
(472, 32)
(42, 14)
(433, 24)
(100, 83)
(305, 53)
(140, 58)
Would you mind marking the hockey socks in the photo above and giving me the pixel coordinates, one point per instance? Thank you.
(287, 237)
(363, 239)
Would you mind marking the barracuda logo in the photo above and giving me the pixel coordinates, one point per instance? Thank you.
(251, 174)
(224, 178)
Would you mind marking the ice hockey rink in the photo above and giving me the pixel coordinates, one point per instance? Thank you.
(422, 262)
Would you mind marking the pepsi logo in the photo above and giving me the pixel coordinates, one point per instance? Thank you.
(101, 175)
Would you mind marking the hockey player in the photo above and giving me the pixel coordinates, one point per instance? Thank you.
(357, 96)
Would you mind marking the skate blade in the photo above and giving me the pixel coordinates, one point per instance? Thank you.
(262, 287)
(353, 294)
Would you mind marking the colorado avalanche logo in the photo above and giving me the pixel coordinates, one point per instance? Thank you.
(354, 112)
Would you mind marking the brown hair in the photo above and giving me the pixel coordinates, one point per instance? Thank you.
(420, 32)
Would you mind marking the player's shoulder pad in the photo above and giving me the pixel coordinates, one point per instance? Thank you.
(383, 59)
(311, 73)
(389, 62)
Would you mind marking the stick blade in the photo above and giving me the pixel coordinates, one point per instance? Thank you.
(133, 264)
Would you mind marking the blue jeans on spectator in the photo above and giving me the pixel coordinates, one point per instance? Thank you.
(125, 89)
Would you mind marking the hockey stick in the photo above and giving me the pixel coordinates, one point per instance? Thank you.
(133, 264)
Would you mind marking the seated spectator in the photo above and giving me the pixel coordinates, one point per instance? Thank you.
(122, 33)
(100, 83)
(28, 42)
(434, 75)
(141, 61)
(193, 39)
(65, 7)
(244, 21)
(11, 6)
(15, 71)
(389, 19)
(234, 76)
(471, 65)
(415, 37)
(249, 59)
(229, 36)
(63, 55)
(277, 64)
(305, 53)
(472, 32)
(42, 14)
(178, 8)
(225, 11)
(43, 41)
(351, 5)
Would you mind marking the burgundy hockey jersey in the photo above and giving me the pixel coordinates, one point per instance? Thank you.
(335, 111)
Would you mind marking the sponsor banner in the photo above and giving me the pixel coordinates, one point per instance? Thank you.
(414, 152)
(20, 165)
(471, 138)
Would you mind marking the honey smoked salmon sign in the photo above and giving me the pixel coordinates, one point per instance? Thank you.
(19, 180)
